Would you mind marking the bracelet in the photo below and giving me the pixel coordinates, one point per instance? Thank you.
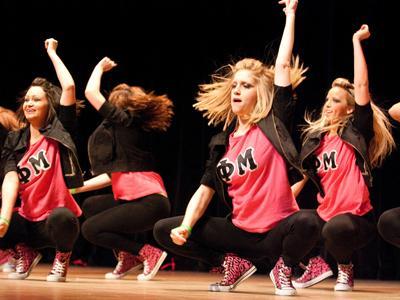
(72, 191)
(187, 227)
(5, 220)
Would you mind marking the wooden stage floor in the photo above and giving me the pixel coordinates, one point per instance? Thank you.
(86, 283)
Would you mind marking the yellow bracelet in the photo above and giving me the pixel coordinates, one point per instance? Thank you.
(5, 220)
(72, 191)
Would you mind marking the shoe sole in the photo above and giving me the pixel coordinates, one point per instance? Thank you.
(27, 273)
(142, 277)
(53, 278)
(112, 276)
(312, 282)
(228, 288)
(343, 288)
(280, 292)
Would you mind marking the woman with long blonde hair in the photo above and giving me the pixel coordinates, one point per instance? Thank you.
(340, 148)
(250, 166)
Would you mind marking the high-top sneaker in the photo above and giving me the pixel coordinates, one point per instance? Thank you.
(152, 258)
(236, 270)
(345, 280)
(60, 267)
(316, 271)
(27, 259)
(8, 260)
(281, 276)
(127, 262)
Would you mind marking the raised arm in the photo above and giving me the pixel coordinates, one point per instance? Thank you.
(92, 91)
(9, 194)
(64, 77)
(361, 84)
(283, 59)
(194, 211)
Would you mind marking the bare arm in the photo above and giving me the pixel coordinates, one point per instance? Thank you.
(64, 76)
(92, 91)
(298, 186)
(361, 84)
(9, 194)
(194, 211)
(282, 64)
(394, 112)
(95, 183)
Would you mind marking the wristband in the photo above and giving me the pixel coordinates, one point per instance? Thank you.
(187, 227)
(72, 191)
(5, 220)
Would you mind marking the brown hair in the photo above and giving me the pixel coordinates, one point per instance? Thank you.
(154, 111)
(53, 95)
(8, 119)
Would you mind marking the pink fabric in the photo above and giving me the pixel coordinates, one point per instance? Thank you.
(343, 183)
(135, 185)
(42, 186)
(258, 182)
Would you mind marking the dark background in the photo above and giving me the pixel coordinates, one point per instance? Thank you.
(172, 46)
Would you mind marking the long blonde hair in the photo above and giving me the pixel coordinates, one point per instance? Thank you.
(382, 142)
(214, 99)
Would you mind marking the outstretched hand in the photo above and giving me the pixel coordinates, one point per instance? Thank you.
(362, 33)
(51, 44)
(106, 64)
(290, 6)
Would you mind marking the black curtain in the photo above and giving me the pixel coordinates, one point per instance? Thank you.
(172, 46)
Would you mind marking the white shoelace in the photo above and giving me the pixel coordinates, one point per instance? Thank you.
(283, 278)
(343, 277)
(58, 267)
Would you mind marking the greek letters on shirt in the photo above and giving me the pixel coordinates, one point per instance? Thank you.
(327, 161)
(35, 164)
(245, 162)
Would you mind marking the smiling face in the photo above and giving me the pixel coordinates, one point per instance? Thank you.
(243, 93)
(35, 106)
(337, 105)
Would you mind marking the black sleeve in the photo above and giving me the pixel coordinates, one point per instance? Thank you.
(8, 160)
(116, 115)
(210, 176)
(283, 104)
(68, 118)
(363, 120)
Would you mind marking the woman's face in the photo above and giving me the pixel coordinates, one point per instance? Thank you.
(336, 105)
(243, 93)
(35, 106)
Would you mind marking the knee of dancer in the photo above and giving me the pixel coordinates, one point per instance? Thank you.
(387, 224)
(62, 216)
(309, 224)
(89, 231)
(338, 232)
(162, 230)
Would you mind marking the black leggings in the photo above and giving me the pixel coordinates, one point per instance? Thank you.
(346, 233)
(111, 224)
(389, 226)
(60, 230)
(212, 237)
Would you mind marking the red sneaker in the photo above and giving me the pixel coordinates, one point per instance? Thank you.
(236, 270)
(127, 263)
(152, 258)
(316, 271)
